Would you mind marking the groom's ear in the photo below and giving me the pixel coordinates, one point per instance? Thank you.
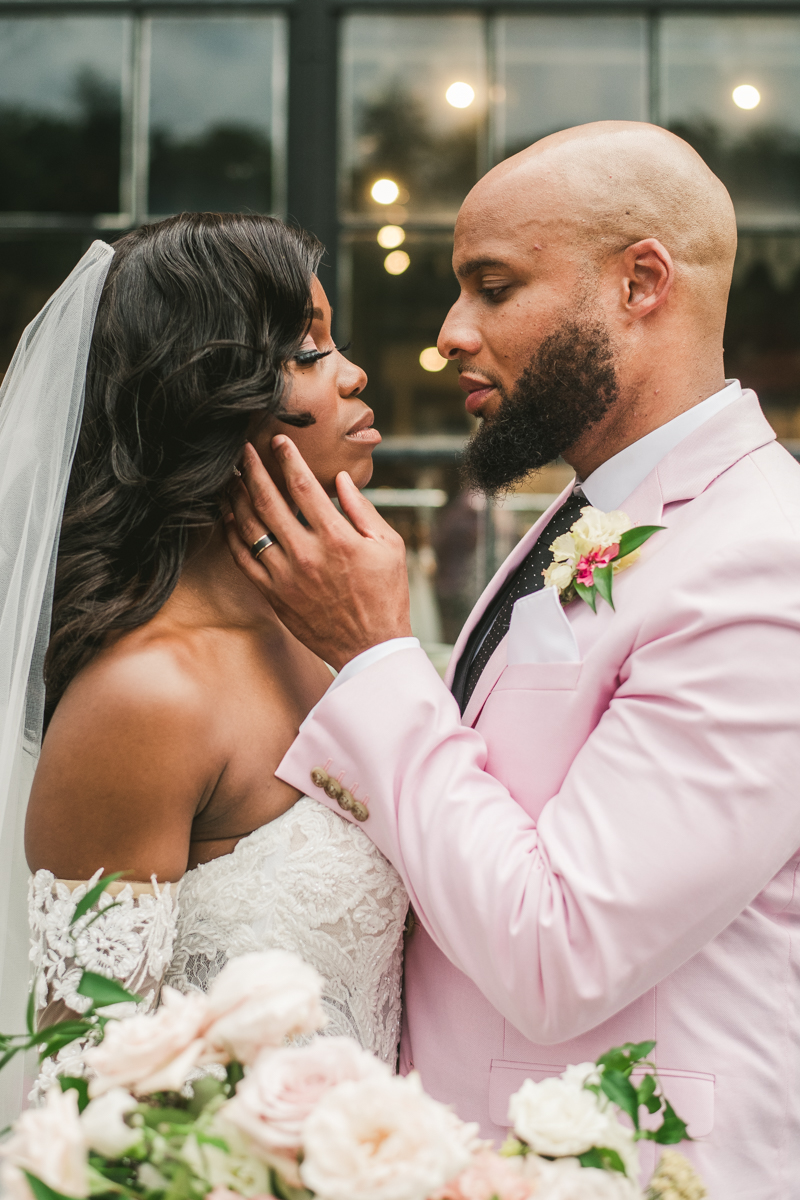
(646, 278)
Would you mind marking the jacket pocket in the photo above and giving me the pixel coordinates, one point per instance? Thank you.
(691, 1093)
(540, 677)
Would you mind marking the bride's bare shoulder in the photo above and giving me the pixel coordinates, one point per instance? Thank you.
(130, 754)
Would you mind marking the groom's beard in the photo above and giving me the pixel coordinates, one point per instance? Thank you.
(569, 384)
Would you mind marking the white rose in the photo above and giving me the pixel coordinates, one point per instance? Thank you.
(152, 1052)
(556, 1118)
(619, 1137)
(566, 1179)
(284, 1086)
(581, 1073)
(596, 528)
(382, 1139)
(48, 1142)
(259, 999)
(103, 1123)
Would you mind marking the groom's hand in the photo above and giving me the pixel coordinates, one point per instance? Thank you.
(339, 587)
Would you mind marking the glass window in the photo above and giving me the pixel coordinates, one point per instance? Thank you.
(554, 72)
(217, 114)
(413, 103)
(60, 106)
(399, 300)
(730, 85)
(31, 268)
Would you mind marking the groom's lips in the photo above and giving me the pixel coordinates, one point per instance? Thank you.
(478, 391)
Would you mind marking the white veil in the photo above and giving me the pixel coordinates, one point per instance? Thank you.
(41, 404)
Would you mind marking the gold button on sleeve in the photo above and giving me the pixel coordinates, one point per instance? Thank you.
(332, 788)
(359, 810)
(319, 777)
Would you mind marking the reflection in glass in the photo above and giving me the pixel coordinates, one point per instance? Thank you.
(31, 268)
(554, 72)
(398, 121)
(397, 317)
(755, 150)
(60, 89)
(762, 335)
(216, 114)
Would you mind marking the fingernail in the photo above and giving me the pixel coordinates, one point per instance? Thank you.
(278, 442)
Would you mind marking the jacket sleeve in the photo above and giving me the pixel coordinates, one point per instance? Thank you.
(675, 814)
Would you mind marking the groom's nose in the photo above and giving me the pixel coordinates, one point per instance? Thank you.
(458, 337)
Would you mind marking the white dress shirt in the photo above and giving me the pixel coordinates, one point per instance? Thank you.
(606, 489)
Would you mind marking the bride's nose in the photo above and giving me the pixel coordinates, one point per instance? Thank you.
(352, 381)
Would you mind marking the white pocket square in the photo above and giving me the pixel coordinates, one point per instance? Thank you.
(540, 631)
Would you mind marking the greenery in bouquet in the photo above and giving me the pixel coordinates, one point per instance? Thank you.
(232, 1094)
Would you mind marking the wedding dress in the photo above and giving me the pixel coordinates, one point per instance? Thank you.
(308, 881)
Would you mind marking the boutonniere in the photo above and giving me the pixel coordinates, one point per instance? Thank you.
(586, 559)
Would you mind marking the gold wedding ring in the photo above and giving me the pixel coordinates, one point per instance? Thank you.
(258, 547)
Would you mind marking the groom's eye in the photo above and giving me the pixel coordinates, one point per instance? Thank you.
(493, 294)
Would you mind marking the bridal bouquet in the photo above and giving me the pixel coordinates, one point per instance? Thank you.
(231, 1094)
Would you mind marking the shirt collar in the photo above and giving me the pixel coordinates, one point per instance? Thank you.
(615, 479)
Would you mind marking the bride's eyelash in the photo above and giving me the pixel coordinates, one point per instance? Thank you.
(304, 358)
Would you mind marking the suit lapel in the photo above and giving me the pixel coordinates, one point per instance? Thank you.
(490, 591)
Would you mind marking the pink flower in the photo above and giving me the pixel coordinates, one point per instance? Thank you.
(153, 1052)
(487, 1176)
(284, 1086)
(587, 563)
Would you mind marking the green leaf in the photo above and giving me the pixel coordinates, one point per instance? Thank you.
(632, 539)
(636, 1051)
(672, 1129)
(93, 895)
(603, 577)
(9, 1054)
(70, 1029)
(205, 1139)
(619, 1088)
(30, 1013)
(71, 1083)
(235, 1073)
(170, 1116)
(104, 991)
(615, 1060)
(42, 1191)
(587, 594)
(603, 1159)
(285, 1191)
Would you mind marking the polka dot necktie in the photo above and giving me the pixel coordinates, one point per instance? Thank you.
(493, 625)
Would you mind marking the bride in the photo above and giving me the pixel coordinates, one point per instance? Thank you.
(172, 691)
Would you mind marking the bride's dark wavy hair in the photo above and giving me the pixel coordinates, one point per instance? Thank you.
(198, 317)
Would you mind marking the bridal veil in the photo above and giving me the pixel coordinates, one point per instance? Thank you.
(41, 404)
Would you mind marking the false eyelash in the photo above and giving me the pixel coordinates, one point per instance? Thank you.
(305, 357)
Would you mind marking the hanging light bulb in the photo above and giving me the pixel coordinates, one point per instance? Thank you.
(385, 191)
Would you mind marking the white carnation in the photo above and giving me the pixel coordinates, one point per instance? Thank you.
(48, 1142)
(556, 1118)
(259, 999)
(596, 528)
(382, 1139)
(103, 1123)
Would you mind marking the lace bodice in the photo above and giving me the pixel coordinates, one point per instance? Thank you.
(308, 881)
(315, 884)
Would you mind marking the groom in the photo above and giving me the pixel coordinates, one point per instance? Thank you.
(598, 825)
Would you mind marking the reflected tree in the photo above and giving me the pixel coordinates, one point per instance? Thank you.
(226, 168)
(51, 162)
(396, 138)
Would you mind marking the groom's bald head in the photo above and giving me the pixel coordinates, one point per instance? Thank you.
(614, 235)
(605, 186)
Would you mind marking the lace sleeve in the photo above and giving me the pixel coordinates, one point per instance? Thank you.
(130, 941)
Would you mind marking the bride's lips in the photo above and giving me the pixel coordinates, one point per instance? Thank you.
(477, 389)
(364, 431)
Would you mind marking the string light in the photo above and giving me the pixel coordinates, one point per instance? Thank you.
(431, 360)
(460, 95)
(397, 262)
(746, 96)
(390, 236)
(385, 191)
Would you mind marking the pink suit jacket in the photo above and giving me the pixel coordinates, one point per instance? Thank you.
(606, 850)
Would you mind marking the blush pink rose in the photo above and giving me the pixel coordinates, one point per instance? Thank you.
(153, 1052)
(284, 1086)
(489, 1175)
(259, 999)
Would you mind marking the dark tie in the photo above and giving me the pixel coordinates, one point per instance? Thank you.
(493, 625)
